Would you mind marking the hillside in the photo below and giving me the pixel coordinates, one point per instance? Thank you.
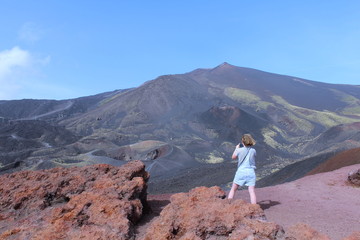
(325, 161)
(178, 124)
(343, 159)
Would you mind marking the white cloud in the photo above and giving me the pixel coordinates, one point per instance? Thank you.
(19, 69)
(30, 32)
(12, 60)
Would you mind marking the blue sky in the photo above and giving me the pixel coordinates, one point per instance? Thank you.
(53, 49)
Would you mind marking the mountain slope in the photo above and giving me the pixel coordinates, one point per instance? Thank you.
(54, 110)
(327, 152)
(296, 91)
(202, 115)
(20, 139)
(342, 159)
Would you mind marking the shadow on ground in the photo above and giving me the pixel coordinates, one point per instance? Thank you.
(266, 204)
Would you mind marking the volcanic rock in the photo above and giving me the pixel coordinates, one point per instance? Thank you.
(303, 231)
(94, 202)
(354, 177)
(203, 213)
(353, 236)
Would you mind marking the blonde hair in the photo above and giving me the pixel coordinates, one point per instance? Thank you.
(248, 140)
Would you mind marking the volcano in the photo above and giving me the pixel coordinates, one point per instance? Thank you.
(185, 126)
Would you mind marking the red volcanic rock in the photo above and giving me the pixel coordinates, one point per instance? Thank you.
(93, 202)
(354, 177)
(303, 231)
(354, 236)
(203, 213)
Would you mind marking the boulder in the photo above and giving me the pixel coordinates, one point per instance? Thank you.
(203, 213)
(93, 202)
(354, 177)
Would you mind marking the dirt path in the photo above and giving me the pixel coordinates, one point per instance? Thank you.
(60, 108)
(324, 201)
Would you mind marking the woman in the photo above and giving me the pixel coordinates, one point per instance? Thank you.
(245, 174)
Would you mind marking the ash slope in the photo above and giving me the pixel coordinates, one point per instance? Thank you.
(329, 156)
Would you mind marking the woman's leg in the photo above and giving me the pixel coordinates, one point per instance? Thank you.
(252, 194)
(232, 191)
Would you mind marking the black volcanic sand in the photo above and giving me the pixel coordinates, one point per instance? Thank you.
(294, 171)
(208, 175)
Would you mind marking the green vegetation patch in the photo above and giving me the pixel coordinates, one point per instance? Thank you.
(107, 100)
(347, 98)
(70, 162)
(246, 97)
(211, 133)
(228, 146)
(270, 133)
(324, 118)
(147, 145)
(241, 95)
(269, 137)
(352, 110)
(211, 158)
(67, 161)
(353, 103)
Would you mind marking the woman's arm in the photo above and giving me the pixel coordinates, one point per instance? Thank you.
(234, 155)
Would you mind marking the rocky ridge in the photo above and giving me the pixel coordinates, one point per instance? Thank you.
(94, 202)
(202, 213)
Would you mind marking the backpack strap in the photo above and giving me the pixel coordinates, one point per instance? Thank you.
(244, 157)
